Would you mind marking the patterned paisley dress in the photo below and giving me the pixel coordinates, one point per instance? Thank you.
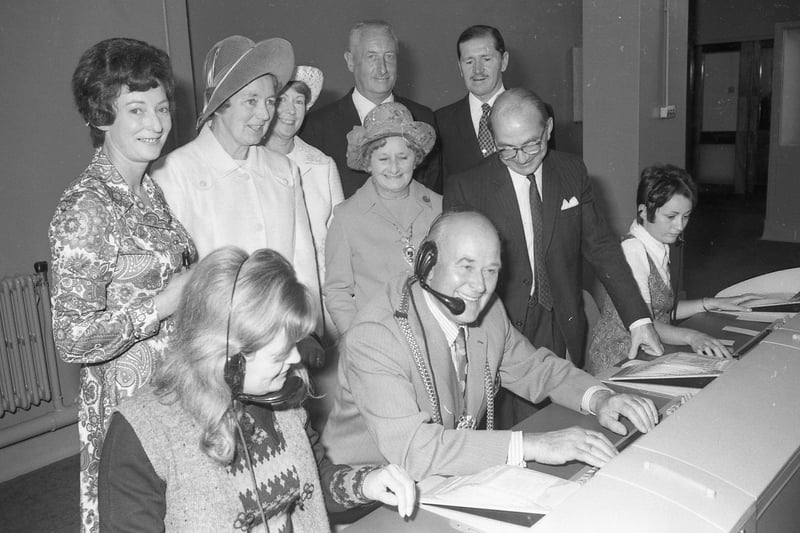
(611, 340)
(111, 255)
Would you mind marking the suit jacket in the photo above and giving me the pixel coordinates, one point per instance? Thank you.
(460, 148)
(327, 129)
(569, 235)
(382, 411)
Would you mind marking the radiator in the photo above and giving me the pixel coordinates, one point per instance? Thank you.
(28, 367)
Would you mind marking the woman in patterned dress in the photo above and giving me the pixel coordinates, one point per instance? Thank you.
(220, 441)
(118, 252)
(665, 199)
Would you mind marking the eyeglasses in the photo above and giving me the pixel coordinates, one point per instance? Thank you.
(531, 148)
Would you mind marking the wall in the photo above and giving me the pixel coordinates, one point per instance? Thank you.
(45, 145)
(623, 87)
(725, 21)
(538, 35)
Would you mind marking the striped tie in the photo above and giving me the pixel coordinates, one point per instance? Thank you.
(539, 269)
(460, 352)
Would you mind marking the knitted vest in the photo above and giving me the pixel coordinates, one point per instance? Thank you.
(203, 495)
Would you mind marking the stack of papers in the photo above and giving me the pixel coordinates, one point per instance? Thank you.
(683, 369)
(498, 499)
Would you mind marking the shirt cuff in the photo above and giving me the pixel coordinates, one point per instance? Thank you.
(640, 322)
(516, 450)
(586, 401)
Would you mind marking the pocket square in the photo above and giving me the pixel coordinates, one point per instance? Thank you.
(566, 204)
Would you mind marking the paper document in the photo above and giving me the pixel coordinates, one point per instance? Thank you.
(504, 487)
(681, 368)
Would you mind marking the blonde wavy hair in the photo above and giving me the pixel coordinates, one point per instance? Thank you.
(268, 300)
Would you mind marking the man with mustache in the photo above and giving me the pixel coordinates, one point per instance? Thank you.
(463, 125)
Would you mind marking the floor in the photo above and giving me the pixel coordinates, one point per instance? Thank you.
(722, 247)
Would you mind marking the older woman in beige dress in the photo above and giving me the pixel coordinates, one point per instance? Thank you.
(375, 233)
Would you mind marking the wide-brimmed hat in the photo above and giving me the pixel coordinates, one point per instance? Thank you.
(235, 61)
(390, 119)
(313, 78)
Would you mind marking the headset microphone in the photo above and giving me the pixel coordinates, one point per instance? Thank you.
(426, 258)
(454, 305)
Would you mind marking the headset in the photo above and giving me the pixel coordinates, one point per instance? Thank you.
(426, 258)
(294, 390)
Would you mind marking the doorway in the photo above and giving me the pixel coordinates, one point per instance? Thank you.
(730, 93)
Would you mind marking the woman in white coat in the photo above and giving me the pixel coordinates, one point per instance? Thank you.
(319, 176)
(224, 186)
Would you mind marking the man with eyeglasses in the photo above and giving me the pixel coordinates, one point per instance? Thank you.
(542, 204)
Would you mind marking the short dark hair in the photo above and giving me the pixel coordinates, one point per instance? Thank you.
(658, 184)
(299, 86)
(481, 30)
(108, 66)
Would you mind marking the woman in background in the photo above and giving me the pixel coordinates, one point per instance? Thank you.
(220, 441)
(118, 252)
(318, 173)
(665, 199)
(375, 233)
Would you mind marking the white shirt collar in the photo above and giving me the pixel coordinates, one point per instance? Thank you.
(476, 109)
(537, 174)
(449, 328)
(365, 105)
(655, 248)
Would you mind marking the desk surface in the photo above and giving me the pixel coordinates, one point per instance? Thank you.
(553, 417)
(550, 418)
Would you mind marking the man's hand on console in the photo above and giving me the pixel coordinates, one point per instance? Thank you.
(608, 406)
(574, 443)
(645, 336)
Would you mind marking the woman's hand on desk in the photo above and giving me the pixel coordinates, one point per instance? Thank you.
(392, 486)
(574, 443)
(732, 303)
(640, 411)
(707, 345)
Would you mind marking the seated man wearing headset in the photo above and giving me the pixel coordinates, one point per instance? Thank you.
(421, 364)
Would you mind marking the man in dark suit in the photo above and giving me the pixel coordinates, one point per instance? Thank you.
(542, 204)
(463, 125)
(372, 58)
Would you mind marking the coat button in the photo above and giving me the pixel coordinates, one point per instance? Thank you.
(518, 323)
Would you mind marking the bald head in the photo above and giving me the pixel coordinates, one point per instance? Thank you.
(518, 104)
(521, 127)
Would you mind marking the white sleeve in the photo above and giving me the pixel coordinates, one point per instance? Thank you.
(636, 256)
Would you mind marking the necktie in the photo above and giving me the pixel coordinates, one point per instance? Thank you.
(485, 140)
(460, 352)
(539, 269)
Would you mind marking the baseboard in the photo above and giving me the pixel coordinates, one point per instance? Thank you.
(38, 452)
